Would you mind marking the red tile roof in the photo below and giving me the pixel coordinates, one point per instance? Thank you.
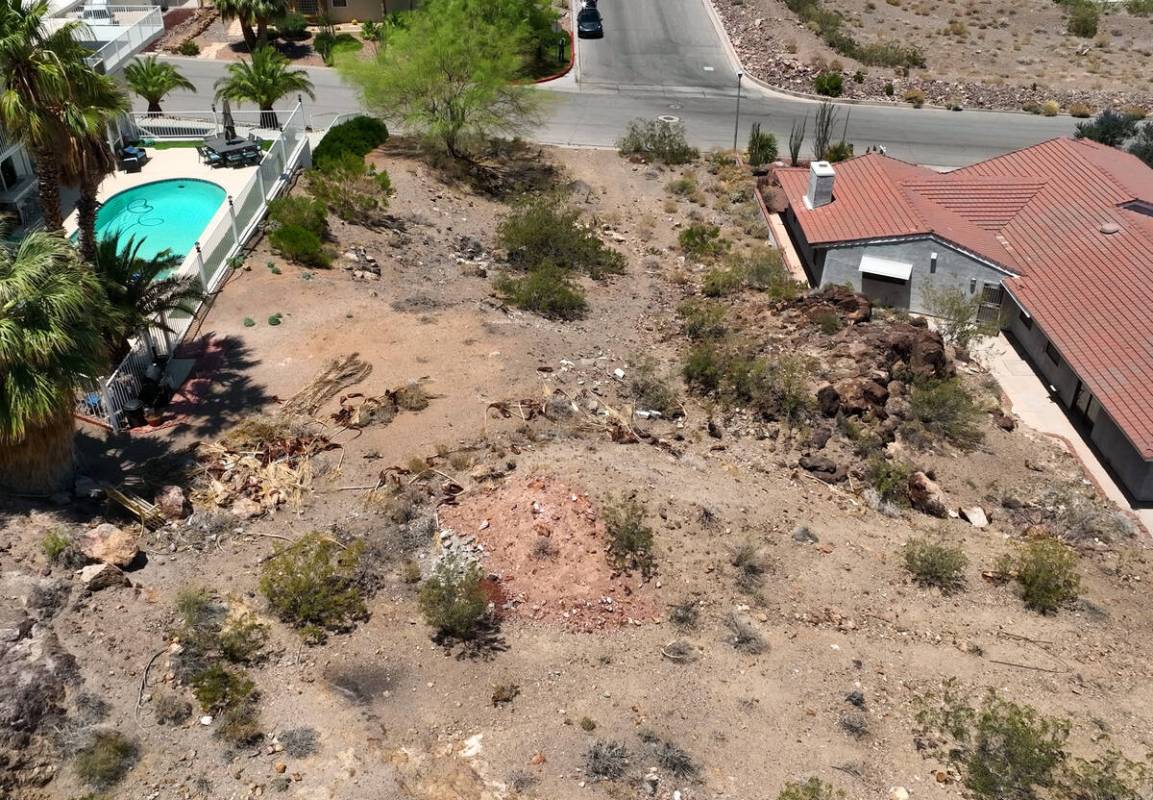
(1037, 213)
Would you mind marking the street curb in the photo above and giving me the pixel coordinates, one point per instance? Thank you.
(571, 61)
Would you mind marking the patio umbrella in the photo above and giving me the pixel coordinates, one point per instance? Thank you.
(229, 122)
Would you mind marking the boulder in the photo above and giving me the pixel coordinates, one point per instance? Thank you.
(898, 408)
(974, 515)
(246, 508)
(860, 395)
(822, 467)
(851, 306)
(828, 401)
(921, 350)
(926, 495)
(1005, 422)
(819, 437)
(897, 388)
(109, 545)
(171, 502)
(102, 576)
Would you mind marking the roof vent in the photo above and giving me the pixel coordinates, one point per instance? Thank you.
(1109, 228)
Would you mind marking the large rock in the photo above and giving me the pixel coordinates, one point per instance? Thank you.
(171, 502)
(828, 401)
(898, 408)
(921, 349)
(102, 576)
(860, 395)
(974, 515)
(822, 467)
(850, 306)
(926, 495)
(109, 545)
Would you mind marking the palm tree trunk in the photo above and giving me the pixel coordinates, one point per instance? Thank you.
(44, 462)
(261, 31)
(86, 211)
(268, 118)
(154, 107)
(48, 173)
(248, 34)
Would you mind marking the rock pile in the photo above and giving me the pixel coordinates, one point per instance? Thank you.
(361, 264)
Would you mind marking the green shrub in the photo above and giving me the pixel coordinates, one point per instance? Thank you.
(764, 270)
(546, 290)
(775, 389)
(722, 281)
(1110, 776)
(703, 242)
(657, 140)
(684, 186)
(452, 598)
(311, 585)
(630, 540)
(889, 89)
(702, 319)
(359, 136)
(547, 229)
(827, 320)
(56, 545)
(705, 368)
(106, 759)
(171, 709)
(1110, 128)
(1140, 8)
(241, 640)
(829, 84)
(812, 789)
(299, 245)
(957, 313)
(303, 212)
(1003, 751)
(329, 45)
(188, 48)
(354, 191)
(839, 151)
(943, 411)
(651, 389)
(936, 564)
(238, 726)
(1046, 572)
(292, 26)
(762, 147)
(889, 479)
(217, 688)
(1083, 19)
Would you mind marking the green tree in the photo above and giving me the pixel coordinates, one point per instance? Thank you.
(450, 74)
(50, 94)
(1109, 127)
(153, 79)
(1142, 145)
(254, 17)
(263, 80)
(139, 289)
(52, 310)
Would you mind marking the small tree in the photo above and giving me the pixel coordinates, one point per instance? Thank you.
(762, 146)
(957, 314)
(453, 600)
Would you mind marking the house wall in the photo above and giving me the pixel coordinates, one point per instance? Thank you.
(361, 10)
(1033, 341)
(954, 270)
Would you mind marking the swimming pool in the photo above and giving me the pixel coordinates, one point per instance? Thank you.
(169, 214)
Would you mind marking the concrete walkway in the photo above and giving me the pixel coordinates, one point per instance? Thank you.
(1034, 407)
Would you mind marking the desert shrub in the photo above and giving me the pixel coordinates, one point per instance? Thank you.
(854, 724)
(658, 140)
(750, 566)
(546, 290)
(1079, 516)
(685, 614)
(943, 411)
(651, 388)
(914, 97)
(242, 640)
(1140, 8)
(683, 186)
(311, 585)
(702, 242)
(299, 245)
(1004, 751)
(300, 742)
(238, 725)
(303, 212)
(764, 269)
(106, 759)
(630, 540)
(957, 315)
(829, 84)
(671, 758)
(188, 48)
(827, 320)
(762, 148)
(292, 26)
(359, 136)
(1046, 572)
(1110, 776)
(722, 281)
(1110, 128)
(504, 693)
(217, 688)
(743, 636)
(890, 90)
(547, 230)
(1083, 19)
(171, 709)
(889, 479)
(936, 564)
(1081, 110)
(453, 600)
(705, 368)
(839, 151)
(702, 319)
(1050, 108)
(56, 545)
(353, 190)
(1133, 111)
(812, 789)
(606, 760)
(774, 388)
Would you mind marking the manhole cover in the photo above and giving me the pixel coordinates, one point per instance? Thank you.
(675, 106)
(669, 118)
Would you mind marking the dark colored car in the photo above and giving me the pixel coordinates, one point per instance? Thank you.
(589, 24)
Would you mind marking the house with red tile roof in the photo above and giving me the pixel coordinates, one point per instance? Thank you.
(1055, 240)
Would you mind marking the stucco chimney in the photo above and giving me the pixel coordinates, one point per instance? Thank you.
(821, 176)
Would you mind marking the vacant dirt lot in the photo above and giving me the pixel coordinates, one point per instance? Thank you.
(977, 53)
(521, 430)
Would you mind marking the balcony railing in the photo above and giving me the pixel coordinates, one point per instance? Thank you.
(134, 28)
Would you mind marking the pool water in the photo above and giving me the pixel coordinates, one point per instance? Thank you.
(163, 215)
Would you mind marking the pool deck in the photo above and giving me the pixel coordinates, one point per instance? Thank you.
(177, 162)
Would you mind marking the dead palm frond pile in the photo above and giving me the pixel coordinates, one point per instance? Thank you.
(337, 375)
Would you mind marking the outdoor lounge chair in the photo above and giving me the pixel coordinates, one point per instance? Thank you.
(132, 159)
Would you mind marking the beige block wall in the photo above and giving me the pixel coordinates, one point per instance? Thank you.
(361, 10)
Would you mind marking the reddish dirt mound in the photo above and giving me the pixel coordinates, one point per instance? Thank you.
(548, 546)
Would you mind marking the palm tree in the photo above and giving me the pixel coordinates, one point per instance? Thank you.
(254, 16)
(85, 163)
(263, 80)
(49, 93)
(52, 309)
(153, 79)
(140, 289)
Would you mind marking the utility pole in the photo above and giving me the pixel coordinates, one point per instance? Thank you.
(737, 122)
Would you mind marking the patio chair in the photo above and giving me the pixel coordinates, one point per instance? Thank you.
(209, 156)
(252, 158)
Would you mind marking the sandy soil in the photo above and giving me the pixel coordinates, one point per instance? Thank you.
(401, 716)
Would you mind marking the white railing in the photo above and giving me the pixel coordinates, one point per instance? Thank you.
(209, 260)
(198, 124)
(124, 41)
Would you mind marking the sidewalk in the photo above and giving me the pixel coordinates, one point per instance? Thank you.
(1035, 408)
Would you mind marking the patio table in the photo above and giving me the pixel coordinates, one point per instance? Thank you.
(223, 146)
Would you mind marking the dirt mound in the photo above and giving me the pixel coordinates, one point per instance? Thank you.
(548, 545)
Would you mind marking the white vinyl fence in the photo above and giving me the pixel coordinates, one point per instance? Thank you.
(210, 260)
(124, 32)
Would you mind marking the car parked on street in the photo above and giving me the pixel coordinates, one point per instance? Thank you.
(589, 23)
